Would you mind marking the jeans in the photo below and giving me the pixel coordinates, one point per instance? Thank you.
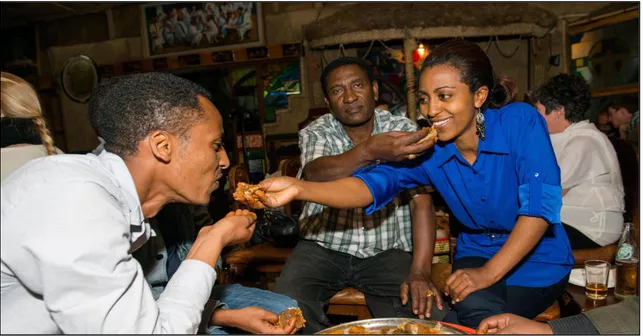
(236, 297)
(313, 274)
(499, 298)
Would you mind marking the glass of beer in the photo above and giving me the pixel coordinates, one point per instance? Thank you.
(596, 279)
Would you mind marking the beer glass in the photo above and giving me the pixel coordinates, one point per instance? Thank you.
(596, 279)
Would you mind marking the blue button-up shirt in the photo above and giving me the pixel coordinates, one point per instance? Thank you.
(515, 174)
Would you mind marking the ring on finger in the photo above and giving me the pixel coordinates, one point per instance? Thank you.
(412, 156)
(429, 293)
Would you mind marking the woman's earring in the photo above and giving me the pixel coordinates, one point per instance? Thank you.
(480, 125)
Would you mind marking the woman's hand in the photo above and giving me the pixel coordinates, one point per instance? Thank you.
(512, 324)
(423, 292)
(466, 281)
(253, 320)
(279, 191)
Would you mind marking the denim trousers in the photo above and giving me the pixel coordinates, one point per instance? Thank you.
(236, 297)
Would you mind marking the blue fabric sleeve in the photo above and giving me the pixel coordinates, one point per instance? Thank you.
(385, 181)
(540, 192)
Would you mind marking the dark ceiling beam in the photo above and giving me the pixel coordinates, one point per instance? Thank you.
(64, 7)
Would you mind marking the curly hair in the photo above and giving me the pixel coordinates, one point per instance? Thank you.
(569, 91)
(340, 62)
(124, 112)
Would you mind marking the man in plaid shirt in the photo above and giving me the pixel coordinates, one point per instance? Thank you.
(345, 248)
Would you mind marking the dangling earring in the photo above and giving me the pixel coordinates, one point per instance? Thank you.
(480, 125)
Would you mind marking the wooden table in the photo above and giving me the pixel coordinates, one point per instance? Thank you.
(581, 303)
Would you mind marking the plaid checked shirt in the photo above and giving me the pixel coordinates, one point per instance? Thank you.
(350, 231)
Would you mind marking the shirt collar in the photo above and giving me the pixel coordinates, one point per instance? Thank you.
(378, 114)
(140, 229)
(443, 152)
(494, 136)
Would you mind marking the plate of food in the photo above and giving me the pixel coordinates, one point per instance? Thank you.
(392, 326)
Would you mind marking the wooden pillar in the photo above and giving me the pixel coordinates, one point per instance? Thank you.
(409, 46)
(565, 54)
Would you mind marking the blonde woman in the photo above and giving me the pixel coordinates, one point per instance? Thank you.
(24, 131)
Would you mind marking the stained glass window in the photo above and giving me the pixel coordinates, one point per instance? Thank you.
(607, 56)
(280, 81)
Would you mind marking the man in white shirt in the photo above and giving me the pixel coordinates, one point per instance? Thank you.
(593, 196)
(69, 223)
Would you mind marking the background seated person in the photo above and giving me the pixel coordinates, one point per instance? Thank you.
(593, 202)
(24, 134)
(624, 114)
(604, 124)
(345, 247)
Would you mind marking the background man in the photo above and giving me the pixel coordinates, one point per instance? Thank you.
(345, 248)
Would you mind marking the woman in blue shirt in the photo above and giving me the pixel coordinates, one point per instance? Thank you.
(494, 165)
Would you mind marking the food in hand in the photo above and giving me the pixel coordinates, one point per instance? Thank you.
(249, 194)
(289, 313)
(433, 133)
(251, 214)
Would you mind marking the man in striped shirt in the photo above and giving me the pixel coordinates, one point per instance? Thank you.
(346, 248)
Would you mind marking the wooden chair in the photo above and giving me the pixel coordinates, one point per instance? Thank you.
(606, 253)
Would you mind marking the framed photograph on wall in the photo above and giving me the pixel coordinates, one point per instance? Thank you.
(179, 28)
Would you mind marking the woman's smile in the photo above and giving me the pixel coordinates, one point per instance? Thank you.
(440, 124)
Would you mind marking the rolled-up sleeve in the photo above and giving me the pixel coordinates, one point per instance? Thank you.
(540, 193)
(385, 181)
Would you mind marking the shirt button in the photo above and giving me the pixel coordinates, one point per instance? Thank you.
(483, 200)
(159, 256)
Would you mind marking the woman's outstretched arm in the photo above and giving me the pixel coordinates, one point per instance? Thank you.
(345, 193)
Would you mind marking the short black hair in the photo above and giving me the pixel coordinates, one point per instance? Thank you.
(628, 102)
(569, 91)
(93, 105)
(340, 62)
(124, 112)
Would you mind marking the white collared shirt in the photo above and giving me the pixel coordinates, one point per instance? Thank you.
(589, 168)
(69, 225)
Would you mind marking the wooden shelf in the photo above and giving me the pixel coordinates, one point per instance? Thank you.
(270, 52)
(616, 90)
(577, 28)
